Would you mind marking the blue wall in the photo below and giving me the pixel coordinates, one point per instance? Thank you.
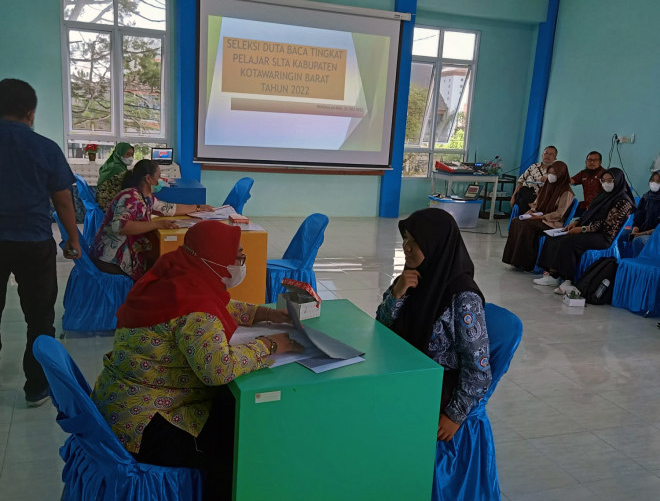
(30, 50)
(605, 79)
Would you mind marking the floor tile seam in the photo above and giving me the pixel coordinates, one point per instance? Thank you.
(620, 451)
(11, 417)
(556, 461)
(613, 402)
(634, 497)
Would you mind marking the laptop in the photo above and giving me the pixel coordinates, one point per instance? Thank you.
(163, 156)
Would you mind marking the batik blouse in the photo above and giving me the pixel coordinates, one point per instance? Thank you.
(172, 369)
(459, 341)
(127, 251)
(615, 219)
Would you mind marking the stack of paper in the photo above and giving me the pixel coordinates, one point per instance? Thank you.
(322, 352)
(218, 213)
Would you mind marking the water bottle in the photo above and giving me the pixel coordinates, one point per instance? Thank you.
(602, 287)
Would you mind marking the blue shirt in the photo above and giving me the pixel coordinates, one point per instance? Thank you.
(31, 168)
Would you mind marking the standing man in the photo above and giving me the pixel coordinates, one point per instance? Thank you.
(531, 180)
(33, 170)
(589, 178)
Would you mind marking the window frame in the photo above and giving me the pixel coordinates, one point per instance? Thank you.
(438, 62)
(117, 33)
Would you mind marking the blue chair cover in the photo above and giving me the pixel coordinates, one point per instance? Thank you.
(465, 466)
(625, 245)
(92, 297)
(298, 260)
(593, 255)
(637, 284)
(571, 214)
(97, 465)
(93, 213)
(239, 194)
(514, 213)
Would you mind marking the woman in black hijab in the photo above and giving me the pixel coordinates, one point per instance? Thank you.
(595, 230)
(437, 307)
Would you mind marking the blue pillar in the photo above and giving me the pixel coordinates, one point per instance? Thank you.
(542, 63)
(186, 82)
(390, 186)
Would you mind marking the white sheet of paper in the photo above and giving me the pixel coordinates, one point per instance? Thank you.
(528, 216)
(250, 227)
(556, 232)
(186, 223)
(332, 347)
(244, 335)
(218, 213)
(322, 364)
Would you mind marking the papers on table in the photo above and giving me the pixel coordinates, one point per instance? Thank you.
(217, 213)
(328, 345)
(322, 352)
(249, 227)
(244, 335)
(186, 223)
(528, 216)
(322, 364)
(556, 232)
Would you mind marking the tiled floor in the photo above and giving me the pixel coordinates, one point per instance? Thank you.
(577, 417)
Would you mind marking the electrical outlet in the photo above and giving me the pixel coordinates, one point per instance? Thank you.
(624, 139)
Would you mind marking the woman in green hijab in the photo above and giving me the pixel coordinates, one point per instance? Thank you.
(111, 174)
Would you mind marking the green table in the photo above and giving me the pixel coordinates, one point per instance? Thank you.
(358, 433)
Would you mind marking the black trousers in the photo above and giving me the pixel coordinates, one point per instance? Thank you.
(164, 444)
(33, 266)
(524, 198)
(563, 254)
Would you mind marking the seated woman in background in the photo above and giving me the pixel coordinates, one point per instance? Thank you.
(596, 229)
(112, 173)
(647, 216)
(554, 200)
(437, 307)
(161, 388)
(121, 243)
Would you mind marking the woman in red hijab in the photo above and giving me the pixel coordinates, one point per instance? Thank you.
(161, 386)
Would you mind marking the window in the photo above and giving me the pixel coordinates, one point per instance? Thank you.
(441, 83)
(115, 66)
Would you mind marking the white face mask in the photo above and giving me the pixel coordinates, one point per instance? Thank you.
(552, 178)
(128, 161)
(654, 186)
(237, 272)
(608, 187)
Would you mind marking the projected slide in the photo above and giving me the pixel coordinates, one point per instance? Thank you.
(292, 87)
(297, 86)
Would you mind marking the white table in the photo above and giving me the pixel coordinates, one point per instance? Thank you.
(467, 178)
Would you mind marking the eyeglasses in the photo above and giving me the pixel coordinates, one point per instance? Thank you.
(241, 259)
(593, 159)
(603, 180)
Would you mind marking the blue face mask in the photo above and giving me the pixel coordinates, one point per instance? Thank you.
(158, 187)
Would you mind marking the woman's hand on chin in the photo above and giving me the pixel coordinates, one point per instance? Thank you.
(408, 279)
